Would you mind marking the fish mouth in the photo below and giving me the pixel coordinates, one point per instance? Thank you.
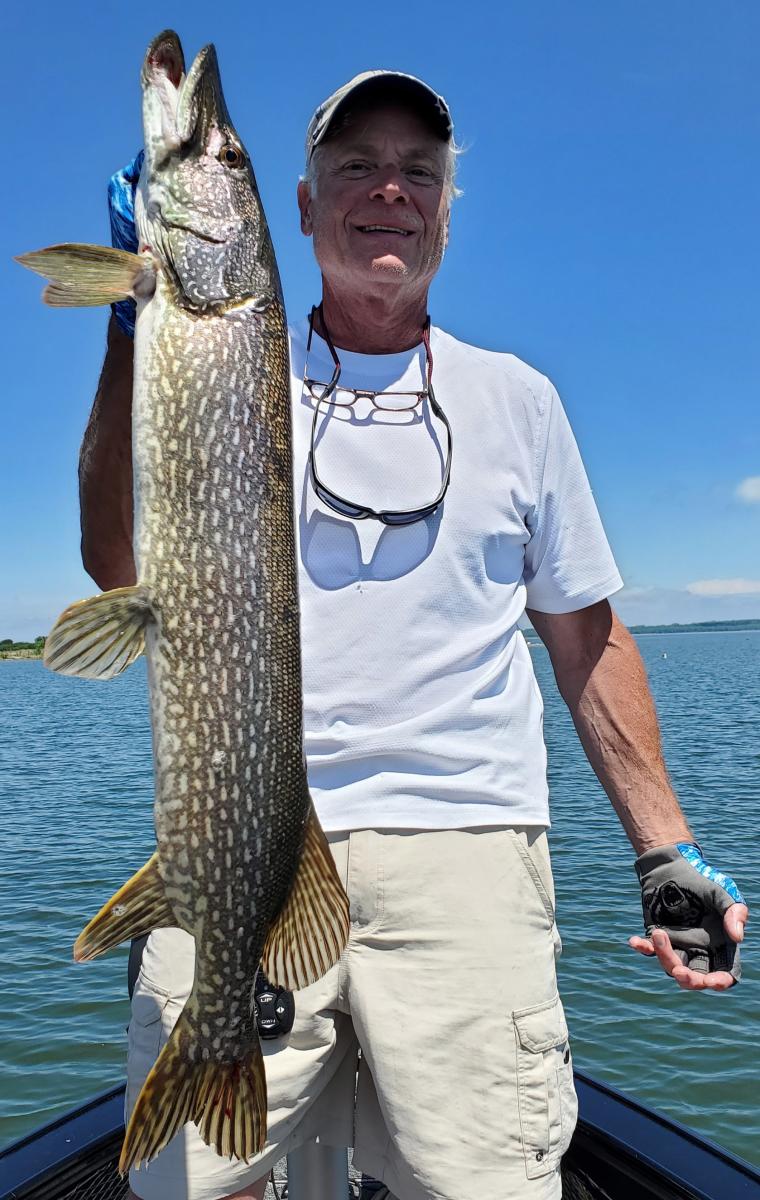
(201, 105)
(180, 108)
(164, 55)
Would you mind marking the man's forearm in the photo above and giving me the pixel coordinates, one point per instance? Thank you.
(602, 679)
(105, 470)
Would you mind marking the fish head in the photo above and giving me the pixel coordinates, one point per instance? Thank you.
(198, 207)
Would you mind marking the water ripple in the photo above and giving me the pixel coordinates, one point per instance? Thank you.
(76, 821)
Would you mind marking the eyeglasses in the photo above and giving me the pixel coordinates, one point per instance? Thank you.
(344, 397)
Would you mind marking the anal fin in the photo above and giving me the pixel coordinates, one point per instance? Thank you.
(81, 274)
(137, 908)
(99, 637)
(312, 929)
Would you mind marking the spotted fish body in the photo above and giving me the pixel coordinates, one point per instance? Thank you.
(212, 460)
(241, 862)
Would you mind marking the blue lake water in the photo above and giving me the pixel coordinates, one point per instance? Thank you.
(75, 822)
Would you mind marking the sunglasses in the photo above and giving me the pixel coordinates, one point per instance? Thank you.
(344, 397)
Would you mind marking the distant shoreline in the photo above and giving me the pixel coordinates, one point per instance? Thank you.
(20, 652)
(650, 630)
(747, 626)
(700, 627)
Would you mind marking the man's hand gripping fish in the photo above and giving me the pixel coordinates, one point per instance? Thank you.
(241, 862)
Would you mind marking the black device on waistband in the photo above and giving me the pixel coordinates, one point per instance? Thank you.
(275, 1008)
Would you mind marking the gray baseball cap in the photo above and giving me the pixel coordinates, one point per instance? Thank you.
(397, 85)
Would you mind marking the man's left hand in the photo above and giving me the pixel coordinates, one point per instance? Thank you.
(694, 918)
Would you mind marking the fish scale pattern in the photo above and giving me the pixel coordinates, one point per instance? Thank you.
(217, 555)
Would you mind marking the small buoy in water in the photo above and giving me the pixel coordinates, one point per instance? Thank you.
(664, 655)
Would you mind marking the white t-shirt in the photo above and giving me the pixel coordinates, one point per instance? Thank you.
(421, 708)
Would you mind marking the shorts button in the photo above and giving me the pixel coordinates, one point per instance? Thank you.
(539, 1155)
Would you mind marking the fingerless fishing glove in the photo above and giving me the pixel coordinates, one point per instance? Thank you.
(686, 897)
(121, 210)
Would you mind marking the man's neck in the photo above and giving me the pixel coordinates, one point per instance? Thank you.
(373, 324)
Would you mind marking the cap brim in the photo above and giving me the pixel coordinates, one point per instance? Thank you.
(393, 86)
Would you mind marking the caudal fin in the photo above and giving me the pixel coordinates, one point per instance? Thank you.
(227, 1101)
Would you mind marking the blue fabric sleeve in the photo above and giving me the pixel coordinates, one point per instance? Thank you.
(121, 210)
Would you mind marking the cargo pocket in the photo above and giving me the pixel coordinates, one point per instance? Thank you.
(546, 1095)
(146, 1034)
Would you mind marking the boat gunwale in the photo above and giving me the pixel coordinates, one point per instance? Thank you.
(613, 1128)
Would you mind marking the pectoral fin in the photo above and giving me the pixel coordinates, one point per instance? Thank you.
(311, 931)
(139, 906)
(84, 275)
(99, 637)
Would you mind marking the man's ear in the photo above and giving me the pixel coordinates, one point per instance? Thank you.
(304, 205)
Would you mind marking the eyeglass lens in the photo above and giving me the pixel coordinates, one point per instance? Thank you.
(346, 397)
(406, 518)
(338, 504)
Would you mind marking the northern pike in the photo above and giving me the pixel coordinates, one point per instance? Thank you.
(241, 861)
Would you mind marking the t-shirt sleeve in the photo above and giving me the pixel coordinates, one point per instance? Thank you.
(568, 561)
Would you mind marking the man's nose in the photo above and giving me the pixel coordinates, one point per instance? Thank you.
(390, 186)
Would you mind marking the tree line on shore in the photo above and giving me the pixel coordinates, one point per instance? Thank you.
(9, 644)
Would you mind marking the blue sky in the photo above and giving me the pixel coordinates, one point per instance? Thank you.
(608, 234)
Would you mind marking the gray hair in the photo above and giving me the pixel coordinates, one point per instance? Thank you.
(453, 151)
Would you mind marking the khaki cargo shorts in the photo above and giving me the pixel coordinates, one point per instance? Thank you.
(465, 1083)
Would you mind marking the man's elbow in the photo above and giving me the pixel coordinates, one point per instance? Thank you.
(109, 570)
(576, 642)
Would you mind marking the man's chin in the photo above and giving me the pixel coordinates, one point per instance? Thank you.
(388, 264)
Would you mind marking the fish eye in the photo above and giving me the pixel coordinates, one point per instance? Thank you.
(230, 156)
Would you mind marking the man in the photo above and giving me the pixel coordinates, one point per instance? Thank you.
(422, 715)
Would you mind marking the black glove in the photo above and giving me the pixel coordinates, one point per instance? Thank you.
(686, 897)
